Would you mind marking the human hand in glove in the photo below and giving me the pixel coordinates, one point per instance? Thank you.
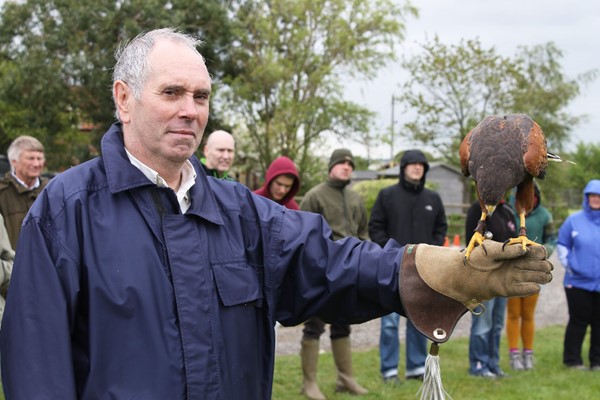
(506, 272)
(437, 288)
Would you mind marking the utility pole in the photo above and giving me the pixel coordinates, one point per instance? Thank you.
(392, 132)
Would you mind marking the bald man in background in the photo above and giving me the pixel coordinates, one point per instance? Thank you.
(218, 155)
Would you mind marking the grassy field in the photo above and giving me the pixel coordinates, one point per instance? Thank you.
(549, 380)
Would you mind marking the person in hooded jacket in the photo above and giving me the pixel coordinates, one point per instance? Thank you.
(407, 212)
(520, 318)
(282, 182)
(579, 253)
(139, 277)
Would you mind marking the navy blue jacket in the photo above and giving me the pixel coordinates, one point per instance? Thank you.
(117, 295)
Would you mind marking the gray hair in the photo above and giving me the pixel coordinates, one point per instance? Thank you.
(132, 58)
(23, 143)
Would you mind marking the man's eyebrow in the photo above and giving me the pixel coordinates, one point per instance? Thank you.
(205, 92)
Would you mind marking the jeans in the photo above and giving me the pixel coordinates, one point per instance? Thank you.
(484, 342)
(389, 347)
(584, 311)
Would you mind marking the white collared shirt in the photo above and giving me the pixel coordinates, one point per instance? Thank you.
(35, 185)
(188, 179)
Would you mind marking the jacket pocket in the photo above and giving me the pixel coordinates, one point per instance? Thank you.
(238, 284)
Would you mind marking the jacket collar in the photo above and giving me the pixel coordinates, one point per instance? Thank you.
(122, 176)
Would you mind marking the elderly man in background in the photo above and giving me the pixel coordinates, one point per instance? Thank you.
(218, 155)
(22, 184)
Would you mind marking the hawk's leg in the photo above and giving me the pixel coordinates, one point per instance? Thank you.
(477, 238)
(522, 239)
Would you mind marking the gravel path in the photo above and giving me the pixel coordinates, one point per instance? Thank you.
(551, 310)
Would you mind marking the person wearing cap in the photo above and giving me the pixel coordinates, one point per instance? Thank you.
(408, 213)
(578, 251)
(281, 183)
(344, 211)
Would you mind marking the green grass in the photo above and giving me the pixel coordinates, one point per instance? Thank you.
(549, 379)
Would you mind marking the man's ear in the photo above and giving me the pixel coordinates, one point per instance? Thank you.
(123, 98)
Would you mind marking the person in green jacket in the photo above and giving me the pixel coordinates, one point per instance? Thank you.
(520, 320)
(345, 212)
(22, 184)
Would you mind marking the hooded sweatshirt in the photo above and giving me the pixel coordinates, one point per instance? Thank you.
(281, 165)
(577, 244)
(408, 212)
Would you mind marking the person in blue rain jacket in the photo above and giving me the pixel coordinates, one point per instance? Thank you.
(139, 277)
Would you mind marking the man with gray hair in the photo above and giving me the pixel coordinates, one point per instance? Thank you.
(138, 277)
(22, 184)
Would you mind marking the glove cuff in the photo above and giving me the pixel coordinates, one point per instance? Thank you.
(432, 313)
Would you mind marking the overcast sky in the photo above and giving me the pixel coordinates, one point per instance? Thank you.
(574, 26)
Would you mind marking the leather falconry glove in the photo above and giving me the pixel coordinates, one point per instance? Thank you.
(436, 276)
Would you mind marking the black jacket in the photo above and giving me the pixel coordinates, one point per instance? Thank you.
(502, 223)
(408, 213)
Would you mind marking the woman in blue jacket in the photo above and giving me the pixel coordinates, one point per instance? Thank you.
(579, 253)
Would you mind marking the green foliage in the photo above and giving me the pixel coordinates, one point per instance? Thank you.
(453, 87)
(57, 58)
(548, 380)
(289, 58)
(370, 189)
(587, 165)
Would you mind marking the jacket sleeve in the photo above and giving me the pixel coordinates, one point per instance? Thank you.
(36, 352)
(378, 222)
(7, 256)
(441, 224)
(345, 281)
(363, 226)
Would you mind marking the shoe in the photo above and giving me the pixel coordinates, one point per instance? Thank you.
(415, 377)
(498, 372)
(528, 360)
(484, 373)
(578, 367)
(391, 380)
(595, 368)
(516, 361)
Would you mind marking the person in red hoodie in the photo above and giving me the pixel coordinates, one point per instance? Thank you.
(281, 183)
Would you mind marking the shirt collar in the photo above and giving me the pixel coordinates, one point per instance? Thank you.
(35, 185)
(188, 178)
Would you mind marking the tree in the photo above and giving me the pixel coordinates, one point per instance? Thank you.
(60, 56)
(453, 87)
(289, 59)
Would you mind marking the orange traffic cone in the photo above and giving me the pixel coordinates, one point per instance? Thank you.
(446, 242)
(456, 240)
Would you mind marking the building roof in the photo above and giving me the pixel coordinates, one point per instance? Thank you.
(393, 172)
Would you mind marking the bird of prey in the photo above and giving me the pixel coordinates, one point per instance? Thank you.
(502, 152)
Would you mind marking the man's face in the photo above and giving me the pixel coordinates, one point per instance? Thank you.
(280, 186)
(341, 171)
(219, 151)
(29, 166)
(414, 171)
(164, 127)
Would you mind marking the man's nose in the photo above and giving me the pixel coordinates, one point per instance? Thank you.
(188, 107)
